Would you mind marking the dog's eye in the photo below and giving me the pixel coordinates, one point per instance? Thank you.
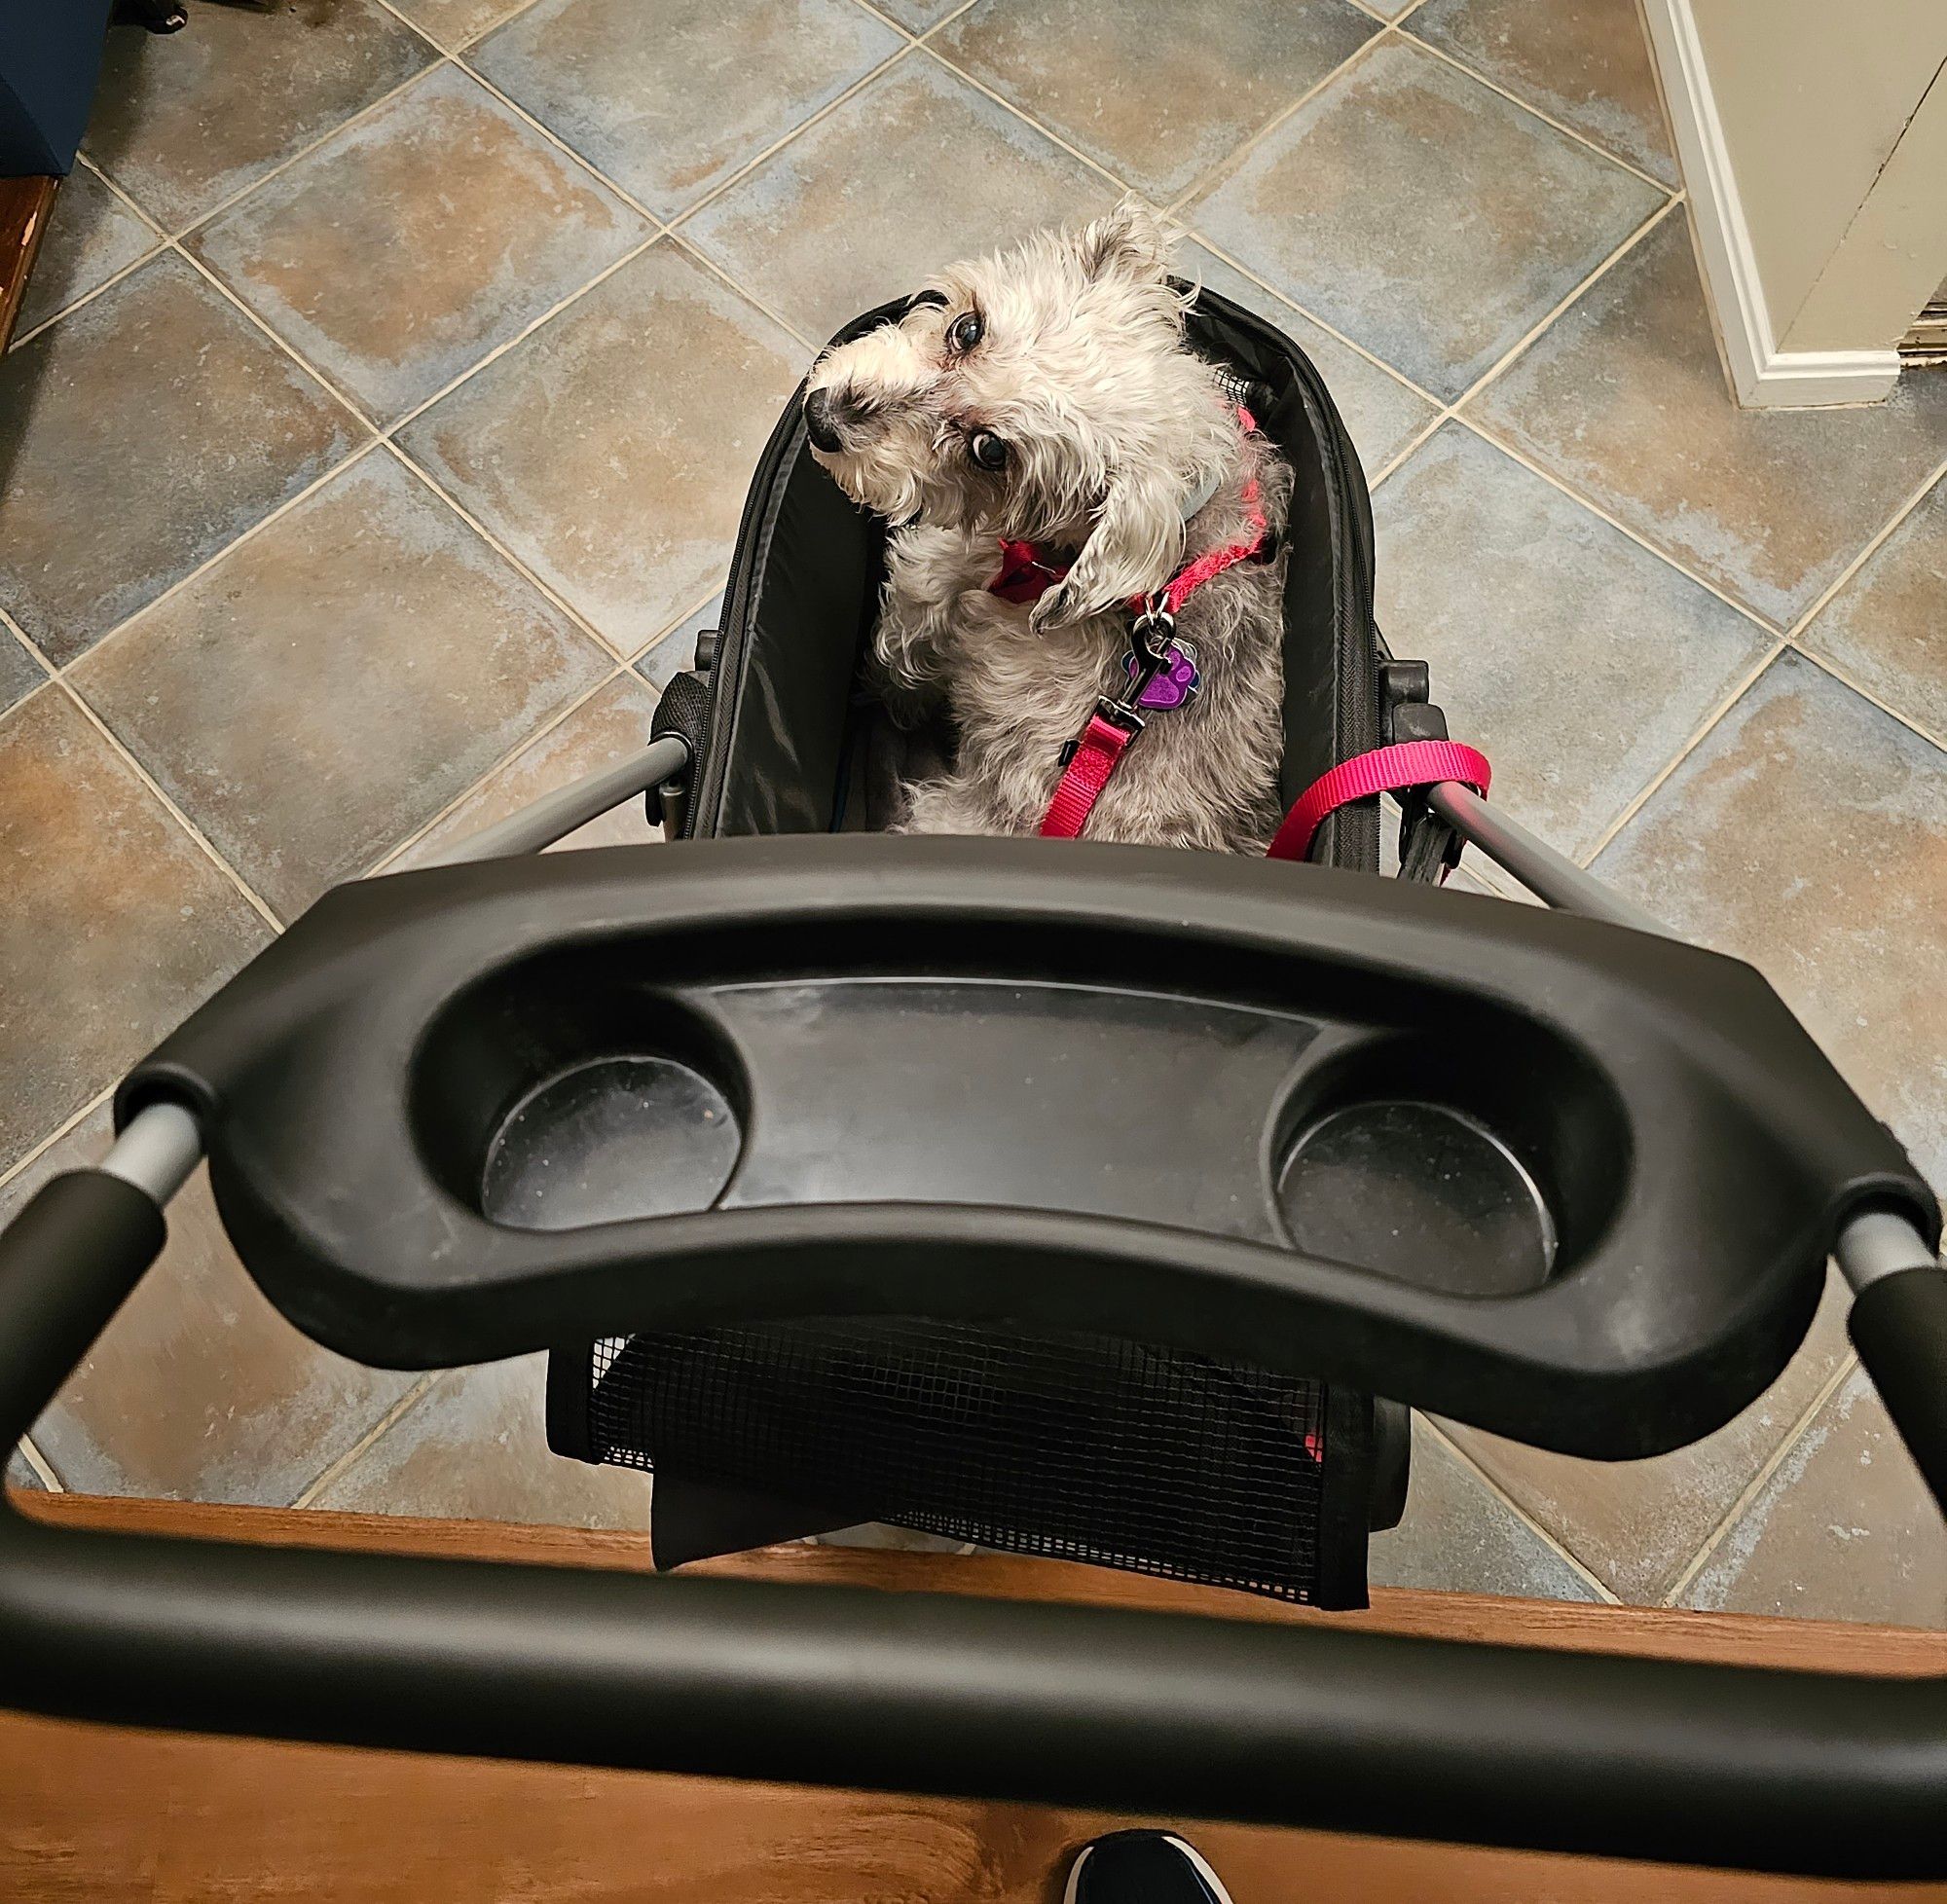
(966, 331)
(987, 450)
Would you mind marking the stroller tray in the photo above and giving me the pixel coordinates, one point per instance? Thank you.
(1440, 1147)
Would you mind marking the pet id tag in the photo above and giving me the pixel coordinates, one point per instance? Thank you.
(1175, 683)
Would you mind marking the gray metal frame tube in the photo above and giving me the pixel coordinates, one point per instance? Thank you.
(1546, 873)
(554, 816)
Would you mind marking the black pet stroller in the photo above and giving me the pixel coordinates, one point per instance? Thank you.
(1049, 1196)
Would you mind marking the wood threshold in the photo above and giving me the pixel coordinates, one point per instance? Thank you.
(24, 206)
(106, 1815)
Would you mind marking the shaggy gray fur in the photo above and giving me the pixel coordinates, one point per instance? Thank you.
(1110, 421)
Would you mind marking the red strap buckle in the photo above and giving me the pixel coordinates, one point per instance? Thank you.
(1384, 770)
(1101, 746)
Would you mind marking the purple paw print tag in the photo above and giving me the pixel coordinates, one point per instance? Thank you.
(1176, 682)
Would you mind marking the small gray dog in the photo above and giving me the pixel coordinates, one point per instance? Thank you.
(1056, 461)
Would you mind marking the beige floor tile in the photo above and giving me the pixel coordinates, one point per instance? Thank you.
(1808, 833)
(91, 235)
(404, 249)
(474, 1448)
(1844, 1530)
(114, 924)
(1587, 64)
(1577, 660)
(1635, 1526)
(1157, 91)
(1886, 627)
(1458, 1536)
(860, 209)
(671, 107)
(607, 728)
(334, 682)
(1625, 399)
(184, 120)
(137, 438)
(611, 450)
(1421, 214)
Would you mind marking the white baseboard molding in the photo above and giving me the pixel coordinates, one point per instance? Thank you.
(1763, 375)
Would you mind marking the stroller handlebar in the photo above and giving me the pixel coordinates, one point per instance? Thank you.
(1766, 1770)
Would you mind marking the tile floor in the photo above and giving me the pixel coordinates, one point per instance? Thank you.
(372, 449)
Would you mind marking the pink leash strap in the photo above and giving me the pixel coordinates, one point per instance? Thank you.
(1096, 753)
(1382, 770)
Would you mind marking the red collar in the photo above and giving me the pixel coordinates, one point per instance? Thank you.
(1028, 570)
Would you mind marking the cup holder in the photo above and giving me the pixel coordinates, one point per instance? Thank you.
(1476, 1159)
(614, 1138)
(1418, 1190)
(565, 1092)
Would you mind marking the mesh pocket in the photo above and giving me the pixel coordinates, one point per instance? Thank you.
(1074, 1447)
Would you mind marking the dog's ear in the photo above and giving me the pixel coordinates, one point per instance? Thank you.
(1135, 542)
(1127, 243)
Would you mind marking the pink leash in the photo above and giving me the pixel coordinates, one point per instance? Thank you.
(1384, 770)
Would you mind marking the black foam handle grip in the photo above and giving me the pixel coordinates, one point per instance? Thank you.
(66, 1262)
(1899, 1325)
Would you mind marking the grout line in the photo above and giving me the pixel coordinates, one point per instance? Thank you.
(905, 32)
(158, 241)
(338, 1464)
(1883, 535)
(1769, 629)
(1400, 456)
(565, 712)
(521, 336)
(1228, 167)
(1605, 1593)
(493, 542)
(65, 1127)
(156, 250)
(1775, 1460)
(1529, 107)
(33, 647)
(561, 145)
(625, 671)
(203, 568)
(1217, 252)
(40, 1464)
(1844, 678)
(88, 163)
(1636, 237)
(698, 256)
(1028, 119)
(662, 635)
(946, 20)
(804, 126)
(1642, 797)
(310, 370)
(202, 218)
(175, 811)
(472, 40)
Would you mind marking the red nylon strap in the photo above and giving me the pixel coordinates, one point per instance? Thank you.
(1384, 770)
(1213, 562)
(1101, 746)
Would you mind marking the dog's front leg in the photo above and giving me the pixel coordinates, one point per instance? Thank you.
(927, 572)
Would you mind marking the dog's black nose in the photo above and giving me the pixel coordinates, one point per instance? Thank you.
(817, 423)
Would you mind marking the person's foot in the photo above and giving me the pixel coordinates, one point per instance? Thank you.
(1142, 1867)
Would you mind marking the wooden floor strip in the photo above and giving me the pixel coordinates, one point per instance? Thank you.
(24, 206)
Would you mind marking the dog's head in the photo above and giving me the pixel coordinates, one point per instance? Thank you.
(1045, 393)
